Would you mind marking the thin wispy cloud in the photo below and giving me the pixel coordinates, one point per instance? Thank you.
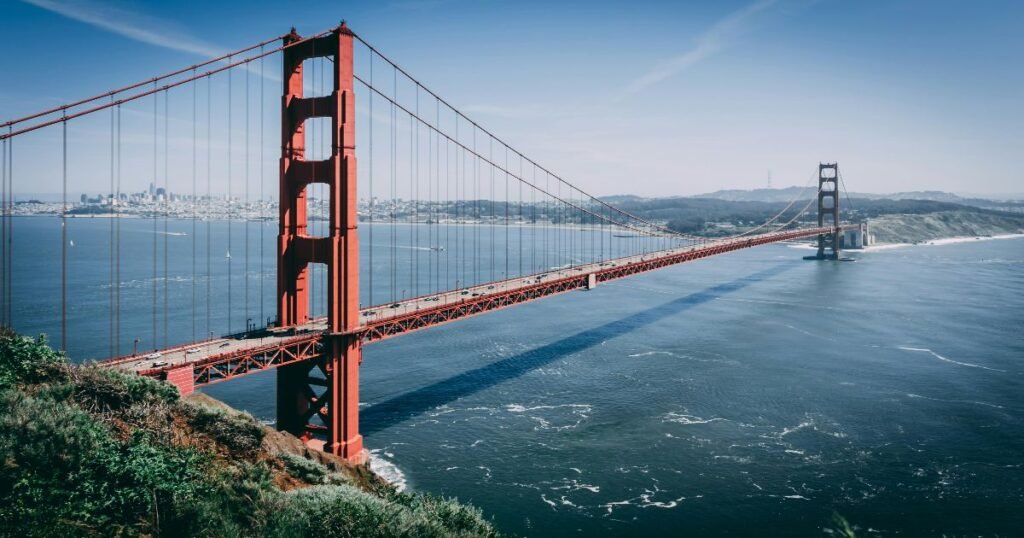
(137, 27)
(713, 40)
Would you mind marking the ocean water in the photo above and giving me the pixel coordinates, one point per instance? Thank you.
(749, 394)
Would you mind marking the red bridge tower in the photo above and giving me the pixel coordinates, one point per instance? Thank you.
(320, 399)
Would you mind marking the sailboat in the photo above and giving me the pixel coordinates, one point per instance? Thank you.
(227, 255)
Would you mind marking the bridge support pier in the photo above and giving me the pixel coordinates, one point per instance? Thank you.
(320, 402)
(342, 366)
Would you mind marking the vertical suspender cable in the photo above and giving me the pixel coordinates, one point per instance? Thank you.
(325, 148)
(437, 192)
(506, 275)
(413, 252)
(551, 221)
(312, 189)
(490, 156)
(441, 209)
(520, 215)
(167, 202)
(111, 201)
(458, 212)
(64, 242)
(448, 225)
(571, 228)
(195, 94)
(245, 214)
(209, 200)
(393, 183)
(263, 226)
(8, 308)
(476, 210)
(533, 224)
(416, 201)
(10, 233)
(156, 97)
(460, 194)
(230, 282)
(117, 219)
(3, 235)
(371, 204)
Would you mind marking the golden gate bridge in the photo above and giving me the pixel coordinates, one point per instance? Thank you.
(490, 228)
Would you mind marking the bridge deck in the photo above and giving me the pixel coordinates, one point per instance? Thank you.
(228, 357)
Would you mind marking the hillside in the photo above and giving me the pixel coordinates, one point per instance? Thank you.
(786, 194)
(896, 220)
(86, 451)
(902, 228)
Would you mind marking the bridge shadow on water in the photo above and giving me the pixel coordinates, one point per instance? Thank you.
(391, 412)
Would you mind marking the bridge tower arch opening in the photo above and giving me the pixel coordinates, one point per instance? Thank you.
(319, 400)
(829, 244)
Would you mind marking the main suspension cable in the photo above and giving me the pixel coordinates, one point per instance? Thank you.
(469, 151)
(500, 141)
(64, 108)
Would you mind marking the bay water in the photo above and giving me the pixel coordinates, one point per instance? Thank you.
(753, 393)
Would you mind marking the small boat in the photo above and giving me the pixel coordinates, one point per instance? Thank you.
(228, 255)
(437, 249)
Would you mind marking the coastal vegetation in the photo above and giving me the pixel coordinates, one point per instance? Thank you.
(891, 220)
(87, 451)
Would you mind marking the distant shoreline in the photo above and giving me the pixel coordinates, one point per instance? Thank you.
(944, 241)
(927, 243)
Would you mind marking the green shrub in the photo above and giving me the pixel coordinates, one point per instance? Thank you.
(458, 519)
(236, 431)
(103, 389)
(309, 471)
(43, 448)
(24, 360)
(142, 485)
(338, 511)
(346, 511)
(86, 451)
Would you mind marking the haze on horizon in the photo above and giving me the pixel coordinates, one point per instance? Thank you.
(652, 99)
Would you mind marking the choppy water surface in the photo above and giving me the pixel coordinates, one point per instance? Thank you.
(748, 394)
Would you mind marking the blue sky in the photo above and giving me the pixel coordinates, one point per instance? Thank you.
(651, 98)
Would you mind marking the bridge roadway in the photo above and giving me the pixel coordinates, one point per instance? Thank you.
(219, 359)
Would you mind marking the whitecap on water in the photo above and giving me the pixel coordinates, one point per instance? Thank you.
(941, 358)
(972, 402)
(576, 485)
(577, 413)
(814, 424)
(686, 419)
(387, 470)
